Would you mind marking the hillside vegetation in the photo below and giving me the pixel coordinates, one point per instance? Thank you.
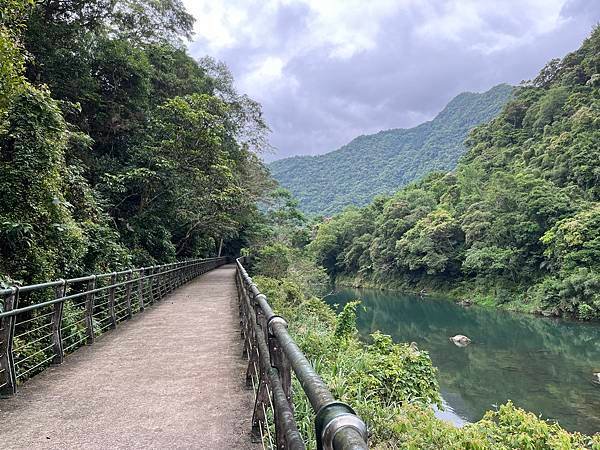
(517, 222)
(382, 163)
(116, 147)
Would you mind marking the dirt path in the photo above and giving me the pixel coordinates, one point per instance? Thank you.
(172, 377)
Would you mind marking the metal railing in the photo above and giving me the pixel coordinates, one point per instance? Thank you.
(64, 315)
(272, 356)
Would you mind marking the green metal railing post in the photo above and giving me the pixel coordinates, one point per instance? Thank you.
(111, 301)
(8, 376)
(57, 346)
(128, 278)
(280, 361)
(152, 284)
(161, 282)
(89, 310)
(141, 283)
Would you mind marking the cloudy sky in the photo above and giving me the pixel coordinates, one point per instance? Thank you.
(327, 71)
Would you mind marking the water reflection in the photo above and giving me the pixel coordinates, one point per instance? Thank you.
(543, 365)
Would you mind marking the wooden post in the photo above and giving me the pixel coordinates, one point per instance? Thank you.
(89, 311)
(57, 346)
(111, 301)
(8, 375)
(128, 295)
(141, 283)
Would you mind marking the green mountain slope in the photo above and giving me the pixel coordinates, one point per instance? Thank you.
(383, 162)
(516, 224)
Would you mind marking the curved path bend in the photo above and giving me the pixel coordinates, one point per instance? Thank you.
(172, 377)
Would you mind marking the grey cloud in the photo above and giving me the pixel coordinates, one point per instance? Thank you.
(323, 102)
(586, 10)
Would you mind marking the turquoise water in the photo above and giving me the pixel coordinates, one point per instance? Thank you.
(543, 365)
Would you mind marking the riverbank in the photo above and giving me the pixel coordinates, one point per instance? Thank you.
(465, 294)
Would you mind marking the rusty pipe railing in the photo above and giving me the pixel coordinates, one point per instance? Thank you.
(272, 355)
(64, 315)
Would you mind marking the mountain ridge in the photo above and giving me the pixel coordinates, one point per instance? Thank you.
(393, 157)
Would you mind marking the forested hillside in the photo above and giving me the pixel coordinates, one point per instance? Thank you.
(382, 163)
(116, 147)
(519, 219)
(391, 385)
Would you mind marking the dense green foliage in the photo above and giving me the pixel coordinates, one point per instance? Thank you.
(390, 385)
(519, 218)
(116, 147)
(382, 163)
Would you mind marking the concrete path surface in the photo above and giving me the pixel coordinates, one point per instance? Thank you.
(172, 377)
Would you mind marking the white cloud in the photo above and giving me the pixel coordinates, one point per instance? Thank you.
(476, 22)
(349, 26)
(263, 76)
(215, 22)
(327, 70)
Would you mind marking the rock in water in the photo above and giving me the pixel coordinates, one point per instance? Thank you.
(460, 340)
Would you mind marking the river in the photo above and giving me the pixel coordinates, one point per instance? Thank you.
(543, 365)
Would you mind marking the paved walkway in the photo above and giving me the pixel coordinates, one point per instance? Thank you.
(172, 377)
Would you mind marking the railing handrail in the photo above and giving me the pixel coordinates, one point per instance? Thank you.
(49, 284)
(337, 425)
(126, 293)
(64, 282)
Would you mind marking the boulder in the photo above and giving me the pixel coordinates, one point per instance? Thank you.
(460, 340)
